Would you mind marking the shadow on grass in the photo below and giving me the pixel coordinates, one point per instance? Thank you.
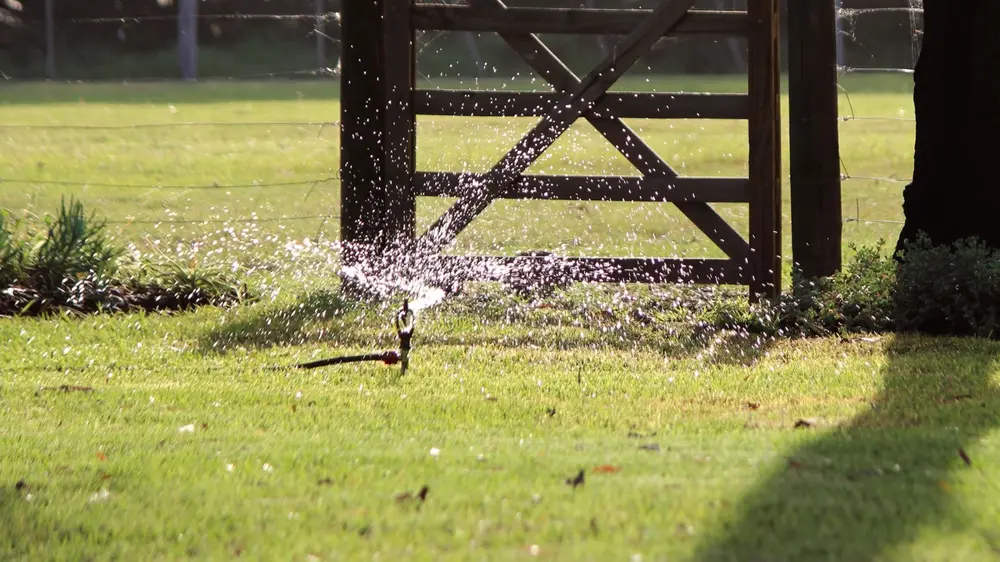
(318, 316)
(478, 319)
(842, 497)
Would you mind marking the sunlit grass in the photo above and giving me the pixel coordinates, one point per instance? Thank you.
(206, 452)
(185, 441)
(287, 151)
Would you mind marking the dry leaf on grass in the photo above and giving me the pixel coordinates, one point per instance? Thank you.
(577, 480)
(965, 457)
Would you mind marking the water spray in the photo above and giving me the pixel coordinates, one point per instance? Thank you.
(406, 321)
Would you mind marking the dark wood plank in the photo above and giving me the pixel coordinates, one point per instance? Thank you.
(596, 270)
(398, 83)
(362, 122)
(765, 150)
(620, 135)
(627, 105)
(591, 188)
(578, 101)
(571, 21)
(814, 138)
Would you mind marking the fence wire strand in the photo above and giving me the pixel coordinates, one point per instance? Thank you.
(80, 183)
(317, 18)
(16, 126)
(848, 19)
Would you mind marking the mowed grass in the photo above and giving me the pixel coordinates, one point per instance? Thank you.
(181, 450)
(187, 439)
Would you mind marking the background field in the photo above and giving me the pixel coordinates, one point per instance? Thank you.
(139, 160)
(185, 441)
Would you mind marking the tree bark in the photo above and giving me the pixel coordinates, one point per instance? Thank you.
(955, 191)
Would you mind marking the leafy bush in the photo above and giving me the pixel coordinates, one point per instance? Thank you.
(72, 264)
(951, 289)
(74, 246)
(940, 290)
(11, 254)
(171, 285)
(859, 298)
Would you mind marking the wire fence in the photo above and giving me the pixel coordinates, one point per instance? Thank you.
(254, 164)
(73, 46)
(873, 183)
(134, 161)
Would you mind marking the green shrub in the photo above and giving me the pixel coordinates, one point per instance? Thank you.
(171, 285)
(953, 289)
(73, 265)
(74, 246)
(859, 298)
(11, 253)
(940, 290)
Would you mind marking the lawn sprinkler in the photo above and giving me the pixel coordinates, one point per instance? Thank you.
(405, 322)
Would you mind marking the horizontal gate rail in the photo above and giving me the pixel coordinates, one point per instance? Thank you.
(628, 105)
(582, 21)
(603, 270)
(636, 189)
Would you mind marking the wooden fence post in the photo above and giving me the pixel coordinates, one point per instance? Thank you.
(187, 38)
(817, 222)
(378, 207)
(399, 82)
(50, 40)
(765, 148)
(362, 122)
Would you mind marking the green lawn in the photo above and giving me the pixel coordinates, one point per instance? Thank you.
(186, 442)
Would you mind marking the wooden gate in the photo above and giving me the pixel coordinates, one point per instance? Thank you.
(380, 103)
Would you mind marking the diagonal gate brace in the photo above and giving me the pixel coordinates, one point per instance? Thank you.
(579, 100)
(621, 136)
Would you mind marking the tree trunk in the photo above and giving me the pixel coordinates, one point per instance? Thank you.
(955, 191)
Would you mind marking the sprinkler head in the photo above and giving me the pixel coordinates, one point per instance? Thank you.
(406, 321)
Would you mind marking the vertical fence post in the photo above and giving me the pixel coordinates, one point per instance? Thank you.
(765, 148)
(817, 223)
(187, 38)
(320, 32)
(362, 122)
(50, 40)
(400, 126)
(378, 207)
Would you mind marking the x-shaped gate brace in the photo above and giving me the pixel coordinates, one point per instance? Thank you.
(579, 101)
(756, 263)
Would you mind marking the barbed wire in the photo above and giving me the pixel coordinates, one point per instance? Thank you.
(854, 118)
(318, 18)
(861, 69)
(314, 72)
(78, 183)
(854, 12)
(53, 126)
(914, 12)
(223, 221)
